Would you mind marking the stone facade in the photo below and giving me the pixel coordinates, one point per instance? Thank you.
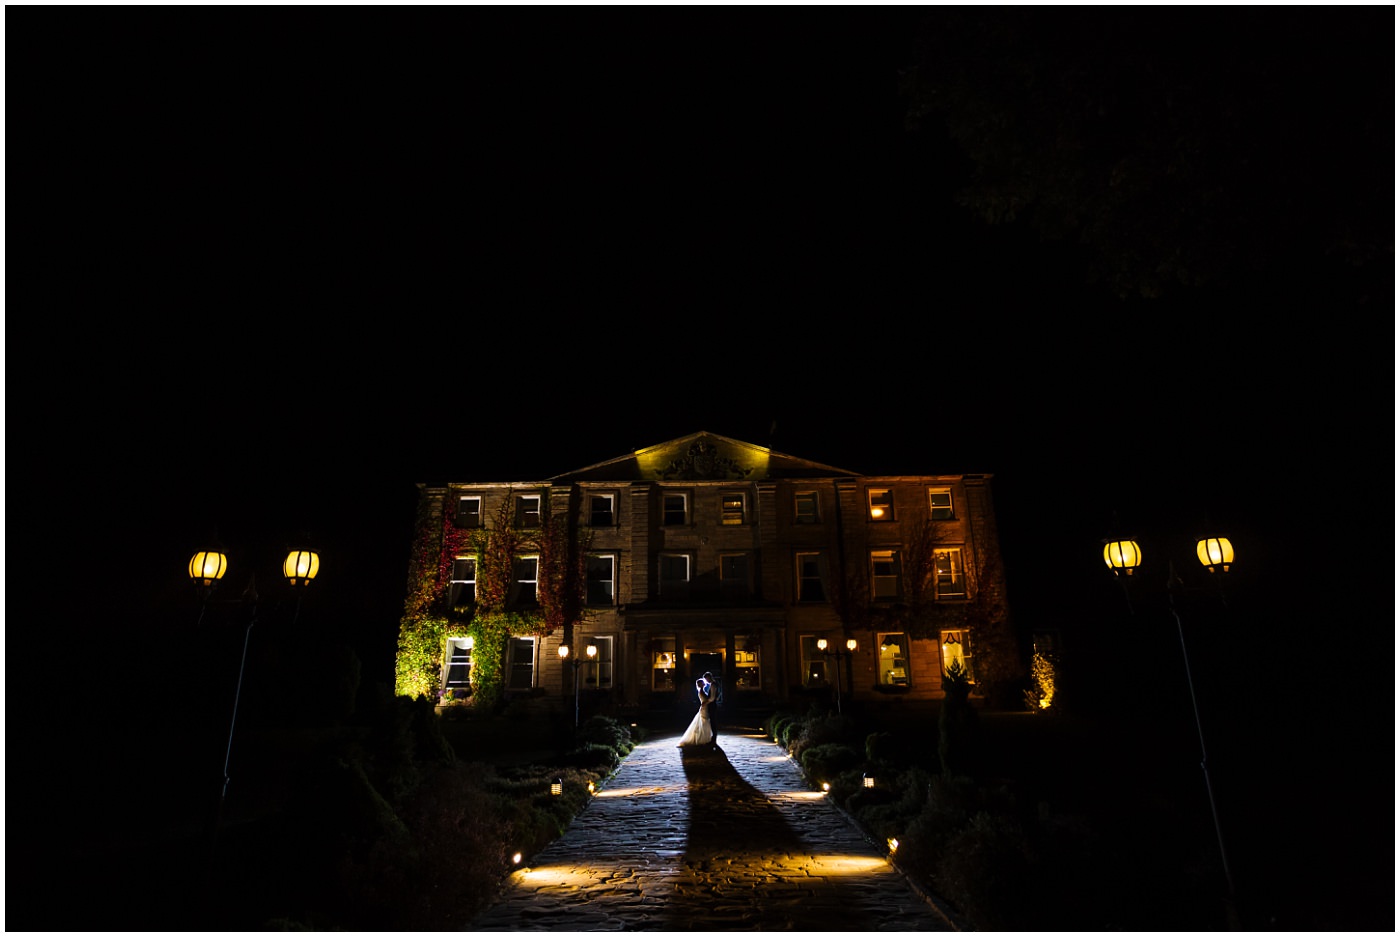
(708, 553)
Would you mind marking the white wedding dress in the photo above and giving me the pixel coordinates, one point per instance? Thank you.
(699, 731)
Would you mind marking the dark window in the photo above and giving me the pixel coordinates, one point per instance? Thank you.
(600, 511)
(673, 511)
(600, 580)
(469, 511)
(527, 510)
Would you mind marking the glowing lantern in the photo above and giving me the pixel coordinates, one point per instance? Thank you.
(301, 566)
(1215, 551)
(208, 567)
(1124, 555)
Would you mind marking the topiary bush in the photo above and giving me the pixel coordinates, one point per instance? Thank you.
(604, 730)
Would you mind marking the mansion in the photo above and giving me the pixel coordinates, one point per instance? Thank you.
(781, 576)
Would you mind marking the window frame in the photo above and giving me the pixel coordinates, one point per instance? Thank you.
(873, 503)
(451, 660)
(729, 516)
(674, 587)
(515, 666)
(601, 664)
(522, 513)
(589, 597)
(813, 659)
(663, 673)
(955, 578)
(594, 514)
(518, 598)
(459, 584)
(467, 519)
(941, 512)
(891, 668)
(740, 584)
(805, 518)
(960, 638)
(668, 515)
(818, 558)
(748, 669)
(896, 575)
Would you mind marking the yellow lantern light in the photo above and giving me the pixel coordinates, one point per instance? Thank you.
(1122, 555)
(563, 651)
(557, 787)
(592, 651)
(850, 644)
(1215, 551)
(301, 566)
(821, 644)
(208, 567)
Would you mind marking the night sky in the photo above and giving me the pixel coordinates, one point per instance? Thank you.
(268, 272)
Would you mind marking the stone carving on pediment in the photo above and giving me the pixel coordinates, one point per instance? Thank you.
(703, 461)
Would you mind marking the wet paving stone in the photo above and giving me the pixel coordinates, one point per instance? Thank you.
(726, 840)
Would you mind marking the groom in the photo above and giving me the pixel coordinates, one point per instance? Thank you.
(711, 691)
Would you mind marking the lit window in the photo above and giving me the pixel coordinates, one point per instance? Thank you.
(469, 511)
(673, 509)
(940, 504)
(884, 575)
(663, 664)
(809, 578)
(521, 661)
(806, 507)
(813, 663)
(527, 510)
(747, 673)
(731, 508)
(894, 659)
(949, 580)
(462, 591)
(881, 504)
(525, 592)
(599, 574)
(600, 510)
(598, 672)
(459, 663)
(957, 649)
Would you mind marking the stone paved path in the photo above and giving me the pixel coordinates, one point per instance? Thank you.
(685, 839)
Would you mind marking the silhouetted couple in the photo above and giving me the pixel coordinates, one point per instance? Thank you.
(701, 732)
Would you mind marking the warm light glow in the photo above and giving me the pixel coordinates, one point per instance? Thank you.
(821, 644)
(868, 780)
(850, 644)
(301, 566)
(515, 859)
(1215, 551)
(208, 566)
(592, 651)
(1122, 555)
(563, 650)
(893, 843)
(591, 788)
(877, 512)
(826, 786)
(557, 787)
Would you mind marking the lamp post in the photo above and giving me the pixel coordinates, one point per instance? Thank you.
(838, 654)
(592, 652)
(1215, 554)
(206, 569)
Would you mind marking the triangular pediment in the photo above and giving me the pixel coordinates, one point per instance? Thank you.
(703, 456)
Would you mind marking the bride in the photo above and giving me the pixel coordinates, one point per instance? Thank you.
(699, 732)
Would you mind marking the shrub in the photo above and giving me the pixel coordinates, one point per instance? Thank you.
(825, 762)
(986, 872)
(592, 756)
(604, 730)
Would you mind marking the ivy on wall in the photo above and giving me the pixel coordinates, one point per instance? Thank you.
(428, 621)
